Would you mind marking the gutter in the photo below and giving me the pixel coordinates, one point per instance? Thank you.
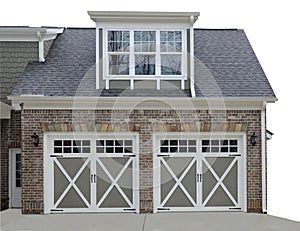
(263, 157)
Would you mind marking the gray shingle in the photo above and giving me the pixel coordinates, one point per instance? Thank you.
(225, 65)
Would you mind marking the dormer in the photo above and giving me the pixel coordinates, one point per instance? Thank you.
(149, 47)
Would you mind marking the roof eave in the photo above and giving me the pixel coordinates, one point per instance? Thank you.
(108, 15)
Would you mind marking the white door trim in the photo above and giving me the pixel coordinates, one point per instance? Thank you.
(10, 175)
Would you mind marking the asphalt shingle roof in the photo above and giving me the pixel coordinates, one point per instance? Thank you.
(225, 66)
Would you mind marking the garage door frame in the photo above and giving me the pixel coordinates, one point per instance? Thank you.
(198, 136)
(48, 167)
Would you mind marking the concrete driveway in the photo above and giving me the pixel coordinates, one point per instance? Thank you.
(13, 220)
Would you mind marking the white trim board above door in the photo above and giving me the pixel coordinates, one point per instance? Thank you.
(199, 172)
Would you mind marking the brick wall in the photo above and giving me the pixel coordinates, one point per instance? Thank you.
(10, 138)
(32, 157)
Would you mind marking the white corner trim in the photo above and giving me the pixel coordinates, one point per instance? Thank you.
(192, 75)
(97, 59)
(263, 157)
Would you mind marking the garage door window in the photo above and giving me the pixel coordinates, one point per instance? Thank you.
(114, 146)
(223, 146)
(72, 146)
(178, 146)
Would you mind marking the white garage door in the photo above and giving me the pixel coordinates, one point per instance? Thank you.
(199, 174)
(89, 173)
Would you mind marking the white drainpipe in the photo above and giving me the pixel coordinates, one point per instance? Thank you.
(192, 75)
(97, 59)
(263, 157)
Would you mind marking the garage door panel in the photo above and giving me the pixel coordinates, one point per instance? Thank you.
(126, 182)
(230, 181)
(114, 200)
(178, 164)
(102, 182)
(219, 199)
(189, 182)
(209, 181)
(70, 187)
(83, 183)
(72, 200)
(71, 165)
(167, 182)
(114, 164)
(60, 182)
(175, 171)
(178, 199)
(219, 164)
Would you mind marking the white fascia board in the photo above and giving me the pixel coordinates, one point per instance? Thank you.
(102, 15)
(28, 34)
(45, 102)
(5, 110)
(126, 18)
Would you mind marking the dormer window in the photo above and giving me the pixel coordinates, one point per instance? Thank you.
(145, 54)
(148, 46)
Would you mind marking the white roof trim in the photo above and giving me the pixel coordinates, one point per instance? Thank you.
(46, 102)
(138, 16)
(28, 34)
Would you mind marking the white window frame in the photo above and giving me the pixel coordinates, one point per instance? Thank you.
(158, 76)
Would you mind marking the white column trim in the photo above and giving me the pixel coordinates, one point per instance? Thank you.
(263, 157)
(97, 59)
(192, 74)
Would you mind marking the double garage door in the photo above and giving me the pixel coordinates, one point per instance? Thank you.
(199, 173)
(96, 173)
(89, 173)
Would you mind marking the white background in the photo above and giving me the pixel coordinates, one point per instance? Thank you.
(273, 30)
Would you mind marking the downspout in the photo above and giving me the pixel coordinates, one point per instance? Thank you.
(263, 157)
(192, 73)
(41, 47)
(97, 59)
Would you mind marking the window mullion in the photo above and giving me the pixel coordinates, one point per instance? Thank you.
(131, 55)
(157, 54)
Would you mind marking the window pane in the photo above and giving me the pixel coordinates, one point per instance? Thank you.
(119, 64)
(118, 41)
(171, 64)
(171, 41)
(144, 64)
(144, 41)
